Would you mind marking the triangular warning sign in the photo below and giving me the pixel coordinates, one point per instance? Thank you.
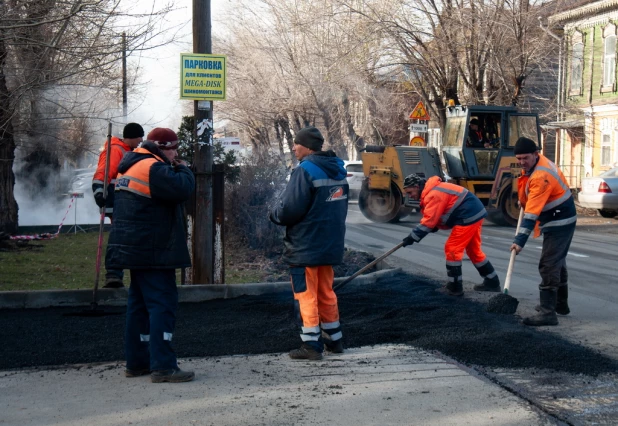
(420, 113)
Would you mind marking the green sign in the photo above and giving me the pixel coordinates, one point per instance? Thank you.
(202, 77)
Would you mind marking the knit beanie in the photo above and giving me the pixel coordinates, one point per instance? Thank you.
(525, 146)
(309, 137)
(163, 137)
(132, 131)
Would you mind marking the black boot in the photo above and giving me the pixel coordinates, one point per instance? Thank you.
(562, 305)
(489, 284)
(547, 310)
(455, 286)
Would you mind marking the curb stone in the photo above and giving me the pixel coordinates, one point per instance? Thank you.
(186, 294)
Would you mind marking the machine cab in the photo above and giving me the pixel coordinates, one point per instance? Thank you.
(477, 138)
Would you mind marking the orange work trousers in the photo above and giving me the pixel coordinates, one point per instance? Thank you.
(313, 290)
(466, 238)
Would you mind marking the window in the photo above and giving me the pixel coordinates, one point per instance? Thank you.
(609, 58)
(577, 64)
(606, 150)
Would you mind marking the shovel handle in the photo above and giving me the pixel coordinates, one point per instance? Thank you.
(370, 265)
(509, 272)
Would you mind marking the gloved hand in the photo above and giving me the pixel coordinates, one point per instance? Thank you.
(99, 199)
(408, 241)
(434, 230)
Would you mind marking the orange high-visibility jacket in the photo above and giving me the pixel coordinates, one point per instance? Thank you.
(445, 205)
(117, 151)
(546, 199)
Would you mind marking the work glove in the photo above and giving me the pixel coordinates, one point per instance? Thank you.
(99, 199)
(408, 241)
(434, 230)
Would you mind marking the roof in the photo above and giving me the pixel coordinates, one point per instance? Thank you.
(578, 9)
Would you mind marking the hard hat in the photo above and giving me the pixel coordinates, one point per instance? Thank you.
(413, 180)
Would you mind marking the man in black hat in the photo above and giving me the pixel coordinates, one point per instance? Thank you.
(132, 136)
(313, 208)
(475, 135)
(549, 208)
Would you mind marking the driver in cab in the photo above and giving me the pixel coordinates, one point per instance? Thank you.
(475, 136)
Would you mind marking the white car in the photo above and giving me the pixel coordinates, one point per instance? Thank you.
(601, 193)
(355, 176)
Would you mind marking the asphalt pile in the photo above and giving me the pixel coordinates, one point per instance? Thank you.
(403, 309)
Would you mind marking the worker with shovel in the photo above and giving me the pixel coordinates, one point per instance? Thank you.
(313, 208)
(549, 208)
(448, 206)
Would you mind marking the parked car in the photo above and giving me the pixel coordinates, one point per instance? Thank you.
(355, 176)
(81, 182)
(601, 193)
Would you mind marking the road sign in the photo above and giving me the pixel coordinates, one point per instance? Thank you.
(417, 141)
(418, 128)
(420, 112)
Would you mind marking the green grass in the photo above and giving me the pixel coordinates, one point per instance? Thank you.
(68, 262)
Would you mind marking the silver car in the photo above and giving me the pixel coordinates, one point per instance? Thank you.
(601, 193)
(355, 176)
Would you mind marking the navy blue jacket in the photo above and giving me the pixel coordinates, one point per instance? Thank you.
(313, 208)
(149, 232)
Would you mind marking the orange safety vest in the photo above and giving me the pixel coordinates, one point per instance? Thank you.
(137, 178)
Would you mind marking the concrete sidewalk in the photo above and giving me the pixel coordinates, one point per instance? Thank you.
(386, 385)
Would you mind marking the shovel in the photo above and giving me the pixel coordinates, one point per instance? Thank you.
(504, 303)
(369, 266)
(94, 310)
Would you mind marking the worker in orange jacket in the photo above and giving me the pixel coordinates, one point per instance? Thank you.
(549, 208)
(132, 135)
(449, 206)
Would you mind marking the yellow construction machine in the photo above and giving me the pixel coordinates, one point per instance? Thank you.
(488, 169)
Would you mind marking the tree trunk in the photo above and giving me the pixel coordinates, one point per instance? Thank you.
(8, 205)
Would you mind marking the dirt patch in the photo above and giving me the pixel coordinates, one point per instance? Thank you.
(271, 268)
(403, 309)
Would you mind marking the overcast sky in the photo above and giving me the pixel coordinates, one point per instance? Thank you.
(161, 106)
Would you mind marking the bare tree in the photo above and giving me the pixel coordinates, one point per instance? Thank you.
(60, 74)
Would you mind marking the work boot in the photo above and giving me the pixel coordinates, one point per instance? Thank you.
(175, 375)
(454, 288)
(489, 284)
(562, 305)
(334, 346)
(306, 352)
(113, 283)
(136, 372)
(547, 310)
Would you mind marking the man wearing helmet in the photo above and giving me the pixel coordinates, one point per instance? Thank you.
(449, 206)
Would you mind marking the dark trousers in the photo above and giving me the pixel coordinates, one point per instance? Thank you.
(151, 318)
(552, 265)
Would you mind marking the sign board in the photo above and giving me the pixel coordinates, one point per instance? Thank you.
(229, 143)
(417, 141)
(418, 128)
(420, 112)
(77, 195)
(202, 77)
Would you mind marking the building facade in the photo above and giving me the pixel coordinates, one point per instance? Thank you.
(587, 134)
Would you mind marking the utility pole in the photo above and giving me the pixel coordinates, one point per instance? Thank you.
(124, 77)
(203, 253)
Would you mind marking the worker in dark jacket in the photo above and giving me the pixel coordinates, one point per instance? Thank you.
(148, 238)
(448, 206)
(313, 208)
(549, 208)
(132, 135)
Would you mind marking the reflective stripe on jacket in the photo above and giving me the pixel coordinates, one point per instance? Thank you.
(117, 151)
(547, 201)
(445, 205)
